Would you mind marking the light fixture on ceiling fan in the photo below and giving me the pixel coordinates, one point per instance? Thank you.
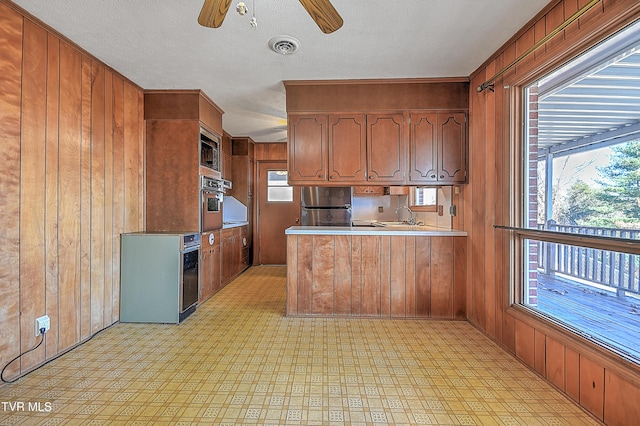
(321, 11)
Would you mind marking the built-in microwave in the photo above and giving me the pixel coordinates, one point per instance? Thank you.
(209, 151)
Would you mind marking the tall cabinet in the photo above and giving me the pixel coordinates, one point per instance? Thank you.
(173, 121)
(243, 166)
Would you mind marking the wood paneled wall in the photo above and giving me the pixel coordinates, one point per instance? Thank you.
(71, 143)
(270, 151)
(603, 384)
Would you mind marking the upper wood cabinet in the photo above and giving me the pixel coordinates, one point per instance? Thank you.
(347, 148)
(307, 148)
(385, 148)
(437, 148)
(350, 149)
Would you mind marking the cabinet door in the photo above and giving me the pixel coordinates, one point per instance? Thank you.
(347, 148)
(206, 281)
(307, 148)
(227, 258)
(216, 257)
(245, 243)
(423, 148)
(385, 148)
(452, 147)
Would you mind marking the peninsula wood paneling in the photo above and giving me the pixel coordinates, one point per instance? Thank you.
(71, 142)
(585, 373)
(376, 276)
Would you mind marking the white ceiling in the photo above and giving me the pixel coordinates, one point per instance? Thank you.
(159, 44)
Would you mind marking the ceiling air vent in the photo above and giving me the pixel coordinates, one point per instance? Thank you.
(284, 45)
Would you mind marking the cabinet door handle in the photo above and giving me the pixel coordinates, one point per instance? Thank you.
(332, 177)
(441, 176)
(433, 176)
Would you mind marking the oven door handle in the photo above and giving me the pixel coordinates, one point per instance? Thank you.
(190, 249)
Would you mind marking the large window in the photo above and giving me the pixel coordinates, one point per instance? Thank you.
(580, 236)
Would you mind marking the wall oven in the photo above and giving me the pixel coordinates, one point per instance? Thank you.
(211, 197)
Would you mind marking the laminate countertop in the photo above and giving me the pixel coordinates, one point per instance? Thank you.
(415, 230)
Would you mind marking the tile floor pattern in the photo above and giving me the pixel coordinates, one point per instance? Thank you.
(239, 360)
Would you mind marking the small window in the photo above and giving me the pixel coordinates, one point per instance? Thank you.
(278, 190)
(424, 198)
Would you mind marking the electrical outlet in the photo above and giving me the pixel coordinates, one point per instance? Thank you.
(43, 322)
(380, 209)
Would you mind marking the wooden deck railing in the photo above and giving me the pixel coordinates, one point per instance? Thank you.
(618, 271)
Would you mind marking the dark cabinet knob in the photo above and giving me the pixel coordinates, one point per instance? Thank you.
(441, 176)
(433, 176)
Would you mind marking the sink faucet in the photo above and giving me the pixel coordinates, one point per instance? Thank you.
(411, 220)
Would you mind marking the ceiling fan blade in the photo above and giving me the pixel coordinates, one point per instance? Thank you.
(213, 13)
(325, 15)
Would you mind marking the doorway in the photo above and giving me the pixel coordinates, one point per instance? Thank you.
(278, 208)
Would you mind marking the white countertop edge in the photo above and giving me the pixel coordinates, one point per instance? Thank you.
(427, 231)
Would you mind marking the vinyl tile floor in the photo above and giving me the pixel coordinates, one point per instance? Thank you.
(239, 360)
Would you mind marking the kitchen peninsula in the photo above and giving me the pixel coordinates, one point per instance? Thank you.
(387, 272)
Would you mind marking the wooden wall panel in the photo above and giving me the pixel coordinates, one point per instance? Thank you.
(356, 275)
(398, 285)
(525, 343)
(70, 138)
(554, 367)
(592, 387)
(66, 122)
(118, 202)
(370, 301)
(410, 277)
(385, 276)
(32, 174)
(486, 201)
(539, 363)
(423, 277)
(442, 271)
(304, 281)
(85, 202)
(343, 278)
(52, 192)
(292, 275)
(572, 374)
(460, 278)
(621, 403)
(10, 97)
(490, 200)
(322, 274)
(97, 188)
(107, 297)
